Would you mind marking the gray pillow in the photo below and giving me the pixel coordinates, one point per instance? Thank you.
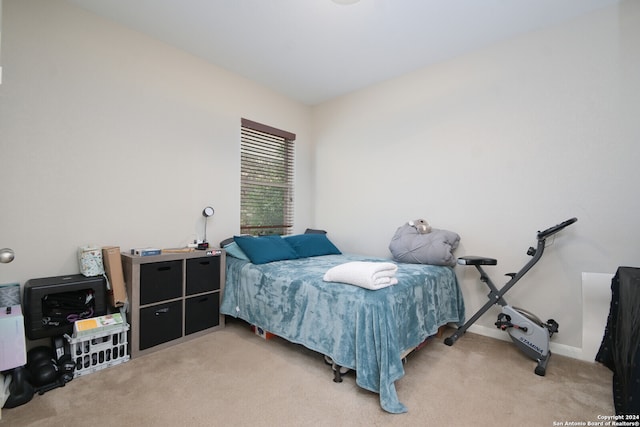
(436, 247)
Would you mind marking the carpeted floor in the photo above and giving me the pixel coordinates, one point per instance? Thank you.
(232, 377)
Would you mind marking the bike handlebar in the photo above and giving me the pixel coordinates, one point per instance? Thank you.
(553, 230)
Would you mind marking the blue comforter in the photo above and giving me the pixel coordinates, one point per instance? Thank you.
(361, 329)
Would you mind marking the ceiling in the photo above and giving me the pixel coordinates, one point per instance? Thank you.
(315, 50)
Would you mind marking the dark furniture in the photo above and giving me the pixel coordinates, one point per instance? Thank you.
(620, 346)
(173, 297)
(42, 321)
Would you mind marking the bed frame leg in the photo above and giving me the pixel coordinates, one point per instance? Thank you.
(339, 372)
(337, 376)
(337, 369)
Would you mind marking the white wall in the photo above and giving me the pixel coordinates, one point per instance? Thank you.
(108, 137)
(497, 145)
(0, 41)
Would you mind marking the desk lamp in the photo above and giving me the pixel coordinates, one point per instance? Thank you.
(206, 213)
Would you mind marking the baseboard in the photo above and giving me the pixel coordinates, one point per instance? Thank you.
(561, 349)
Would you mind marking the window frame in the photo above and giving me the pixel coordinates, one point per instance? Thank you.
(266, 152)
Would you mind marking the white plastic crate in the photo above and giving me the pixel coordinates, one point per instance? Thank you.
(98, 351)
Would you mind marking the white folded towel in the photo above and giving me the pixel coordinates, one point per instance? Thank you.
(366, 274)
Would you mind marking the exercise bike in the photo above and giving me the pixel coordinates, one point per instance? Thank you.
(527, 331)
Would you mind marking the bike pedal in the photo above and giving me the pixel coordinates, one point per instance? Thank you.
(552, 326)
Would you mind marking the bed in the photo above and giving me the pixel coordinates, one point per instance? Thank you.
(365, 330)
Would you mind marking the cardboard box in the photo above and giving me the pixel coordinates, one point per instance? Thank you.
(13, 352)
(261, 332)
(113, 268)
(97, 325)
(146, 251)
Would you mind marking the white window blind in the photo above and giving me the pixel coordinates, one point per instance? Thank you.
(266, 186)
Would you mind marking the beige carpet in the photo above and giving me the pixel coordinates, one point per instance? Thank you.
(232, 377)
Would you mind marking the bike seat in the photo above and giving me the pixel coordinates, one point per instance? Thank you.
(476, 260)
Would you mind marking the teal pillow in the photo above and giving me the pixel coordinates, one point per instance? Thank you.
(308, 245)
(264, 249)
(234, 250)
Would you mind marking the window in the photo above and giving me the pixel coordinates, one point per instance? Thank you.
(266, 179)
